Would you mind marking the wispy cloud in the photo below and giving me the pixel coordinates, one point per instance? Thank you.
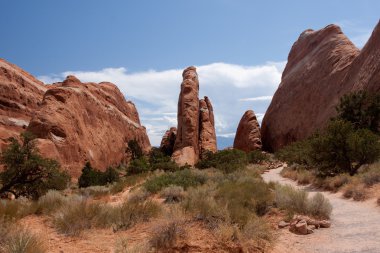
(155, 93)
(262, 98)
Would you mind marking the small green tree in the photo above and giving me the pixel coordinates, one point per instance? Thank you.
(27, 173)
(361, 108)
(135, 149)
(91, 176)
(342, 149)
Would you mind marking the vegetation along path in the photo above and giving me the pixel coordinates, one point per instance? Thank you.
(355, 225)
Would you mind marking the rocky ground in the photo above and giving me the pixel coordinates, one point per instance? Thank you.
(355, 226)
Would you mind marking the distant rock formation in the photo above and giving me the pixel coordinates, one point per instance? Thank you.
(75, 122)
(207, 135)
(82, 122)
(322, 66)
(248, 137)
(168, 140)
(196, 130)
(20, 95)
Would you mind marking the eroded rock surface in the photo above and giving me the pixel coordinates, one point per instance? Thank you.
(168, 140)
(196, 127)
(20, 95)
(78, 122)
(322, 66)
(248, 137)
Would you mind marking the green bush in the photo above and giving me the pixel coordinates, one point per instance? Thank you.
(185, 178)
(27, 173)
(138, 165)
(295, 153)
(257, 156)
(226, 160)
(244, 198)
(93, 177)
(362, 109)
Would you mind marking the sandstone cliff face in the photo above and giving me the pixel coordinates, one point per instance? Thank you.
(78, 122)
(248, 137)
(20, 95)
(196, 130)
(207, 135)
(168, 140)
(310, 88)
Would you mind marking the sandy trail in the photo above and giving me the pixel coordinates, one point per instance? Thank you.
(355, 226)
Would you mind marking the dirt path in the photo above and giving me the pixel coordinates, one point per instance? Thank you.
(355, 226)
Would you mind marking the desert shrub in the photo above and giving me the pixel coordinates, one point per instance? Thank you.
(93, 177)
(27, 173)
(122, 246)
(138, 165)
(355, 190)
(372, 176)
(185, 178)
(200, 202)
(226, 160)
(95, 191)
(291, 199)
(257, 156)
(172, 194)
(77, 215)
(361, 108)
(319, 206)
(335, 183)
(244, 198)
(50, 202)
(15, 209)
(227, 232)
(21, 240)
(305, 177)
(257, 229)
(135, 149)
(289, 172)
(131, 212)
(138, 195)
(166, 234)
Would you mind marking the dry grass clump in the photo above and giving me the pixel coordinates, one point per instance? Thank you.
(77, 215)
(173, 194)
(122, 246)
(166, 234)
(335, 183)
(95, 191)
(305, 177)
(14, 239)
(50, 202)
(355, 190)
(319, 206)
(296, 201)
(227, 232)
(372, 175)
(131, 212)
(16, 209)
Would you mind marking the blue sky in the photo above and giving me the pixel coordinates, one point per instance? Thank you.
(240, 47)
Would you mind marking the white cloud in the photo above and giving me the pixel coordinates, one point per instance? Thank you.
(262, 98)
(155, 93)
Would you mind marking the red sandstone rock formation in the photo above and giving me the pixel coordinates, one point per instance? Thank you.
(20, 95)
(207, 135)
(248, 137)
(196, 130)
(82, 122)
(322, 66)
(168, 140)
